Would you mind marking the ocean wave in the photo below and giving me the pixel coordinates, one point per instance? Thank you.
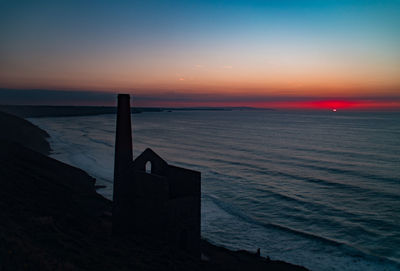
(269, 174)
(343, 246)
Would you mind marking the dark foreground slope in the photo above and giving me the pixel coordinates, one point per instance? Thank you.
(51, 218)
(22, 131)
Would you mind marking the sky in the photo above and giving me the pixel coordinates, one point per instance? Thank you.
(299, 54)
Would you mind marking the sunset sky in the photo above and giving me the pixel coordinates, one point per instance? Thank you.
(206, 53)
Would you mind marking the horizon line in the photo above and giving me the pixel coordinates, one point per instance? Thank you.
(48, 97)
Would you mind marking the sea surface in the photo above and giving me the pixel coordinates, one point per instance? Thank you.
(318, 189)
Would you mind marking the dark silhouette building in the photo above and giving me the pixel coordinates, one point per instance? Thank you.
(151, 197)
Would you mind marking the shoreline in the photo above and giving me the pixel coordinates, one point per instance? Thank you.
(340, 257)
(88, 216)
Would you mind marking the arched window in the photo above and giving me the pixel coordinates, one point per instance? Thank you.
(148, 167)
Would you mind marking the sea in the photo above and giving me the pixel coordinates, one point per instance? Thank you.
(317, 189)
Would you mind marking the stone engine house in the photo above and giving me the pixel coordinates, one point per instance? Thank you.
(150, 196)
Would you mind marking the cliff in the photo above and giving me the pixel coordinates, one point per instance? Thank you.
(23, 132)
(52, 219)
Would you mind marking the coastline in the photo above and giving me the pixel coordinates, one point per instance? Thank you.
(41, 111)
(57, 220)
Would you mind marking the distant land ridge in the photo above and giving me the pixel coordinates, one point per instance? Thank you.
(38, 111)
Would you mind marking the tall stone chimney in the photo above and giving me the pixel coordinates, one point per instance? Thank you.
(123, 144)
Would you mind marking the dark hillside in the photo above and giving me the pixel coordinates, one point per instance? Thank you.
(52, 219)
(23, 132)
